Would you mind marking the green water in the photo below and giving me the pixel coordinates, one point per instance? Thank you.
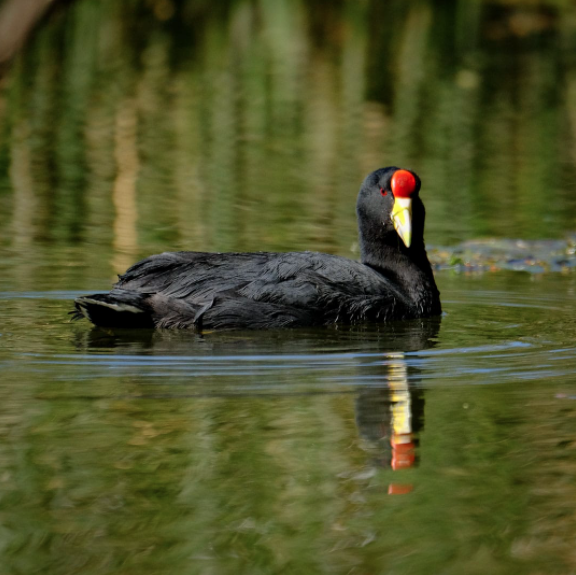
(442, 446)
(270, 452)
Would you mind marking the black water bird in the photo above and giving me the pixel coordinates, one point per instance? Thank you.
(206, 291)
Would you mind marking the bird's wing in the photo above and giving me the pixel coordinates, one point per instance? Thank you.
(185, 274)
(262, 289)
(341, 289)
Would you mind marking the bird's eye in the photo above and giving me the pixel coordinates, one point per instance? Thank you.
(383, 192)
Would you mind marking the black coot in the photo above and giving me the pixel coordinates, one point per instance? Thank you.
(206, 291)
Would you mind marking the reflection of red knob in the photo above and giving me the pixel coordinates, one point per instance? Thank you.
(403, 455)
(402, 460)
(399, 489)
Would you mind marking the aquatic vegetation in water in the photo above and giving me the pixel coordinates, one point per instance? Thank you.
(534, 256)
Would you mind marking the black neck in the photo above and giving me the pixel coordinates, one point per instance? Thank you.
(407, 268)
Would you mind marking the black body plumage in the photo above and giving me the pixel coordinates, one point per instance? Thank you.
(206, 291)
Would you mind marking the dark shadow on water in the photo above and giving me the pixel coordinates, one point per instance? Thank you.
(406, 336)
(389, 400)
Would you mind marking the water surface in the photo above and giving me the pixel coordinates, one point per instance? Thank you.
(420, 447)
(437, 446)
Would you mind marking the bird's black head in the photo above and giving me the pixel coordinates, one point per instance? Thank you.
(389, 209)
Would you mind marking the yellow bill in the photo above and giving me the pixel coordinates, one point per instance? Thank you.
(402, 219)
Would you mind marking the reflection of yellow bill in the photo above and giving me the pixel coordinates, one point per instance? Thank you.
(400, 396)
(402, 219)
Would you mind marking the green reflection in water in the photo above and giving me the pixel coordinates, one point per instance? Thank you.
(251, 128)
(263, 453)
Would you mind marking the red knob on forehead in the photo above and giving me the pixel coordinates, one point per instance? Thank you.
(403, 184)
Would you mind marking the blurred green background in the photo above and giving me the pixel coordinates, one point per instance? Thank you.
(138, 126)
(131, 127)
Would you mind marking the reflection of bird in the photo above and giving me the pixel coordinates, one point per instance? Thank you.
(391, 417)
(390, 411)
(268, 290)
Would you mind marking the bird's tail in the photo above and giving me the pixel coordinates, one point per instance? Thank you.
(119, 308)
